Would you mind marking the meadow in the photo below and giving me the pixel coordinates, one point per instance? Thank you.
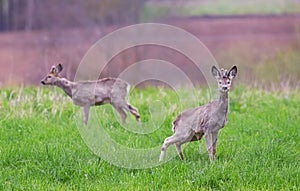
(41, 147)
(156, 10)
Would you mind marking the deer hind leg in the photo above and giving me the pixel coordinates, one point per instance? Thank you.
(195, 137)
(176, 139)
(179, 151)
(133, 111)
(121, 112)
(121, 105)
(168, 141)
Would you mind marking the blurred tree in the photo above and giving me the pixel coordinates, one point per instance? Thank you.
(12, 14)
(57, 14)
(29, 15)
(4, 17)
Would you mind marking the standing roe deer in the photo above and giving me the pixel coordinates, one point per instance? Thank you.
(90, 93)
(207, 120)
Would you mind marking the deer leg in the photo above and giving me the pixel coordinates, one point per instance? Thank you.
(168, 141)
(134, 111)
(174, 139)
(209, 145)
(178, 148)
(122, 113)
(86, 110)
(214, 143)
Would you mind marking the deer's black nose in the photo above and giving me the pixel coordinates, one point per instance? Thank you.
(224, 88)
(42, 82)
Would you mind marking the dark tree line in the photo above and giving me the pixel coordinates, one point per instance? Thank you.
(55, 14)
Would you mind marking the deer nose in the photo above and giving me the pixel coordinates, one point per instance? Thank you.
(224, 88)
(42, 82)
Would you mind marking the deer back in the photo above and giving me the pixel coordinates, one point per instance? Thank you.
(99, 92)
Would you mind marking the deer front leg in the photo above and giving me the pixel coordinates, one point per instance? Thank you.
(214, 143)
(209, 145)
(86, 109)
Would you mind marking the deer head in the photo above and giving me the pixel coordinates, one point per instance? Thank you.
(224, 77)
(53, 76)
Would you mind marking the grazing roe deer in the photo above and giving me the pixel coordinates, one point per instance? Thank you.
(90, 93)
(207, 120)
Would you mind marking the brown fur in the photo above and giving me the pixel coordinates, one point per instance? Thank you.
(91, 93)
(206, 120)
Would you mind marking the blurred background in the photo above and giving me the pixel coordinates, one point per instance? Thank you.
(261, 37)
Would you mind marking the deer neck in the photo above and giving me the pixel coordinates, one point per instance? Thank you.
(223, 103)
(65, 85)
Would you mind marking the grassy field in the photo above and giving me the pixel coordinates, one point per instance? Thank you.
(158, 9)
(41, 147)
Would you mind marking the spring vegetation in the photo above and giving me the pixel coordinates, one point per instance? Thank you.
(41, 146)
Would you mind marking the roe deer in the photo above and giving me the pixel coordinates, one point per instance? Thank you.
(207, 120)
(90, 93)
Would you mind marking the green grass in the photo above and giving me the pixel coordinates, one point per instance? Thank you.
(236, 7)
(156, 10)
(41, 147)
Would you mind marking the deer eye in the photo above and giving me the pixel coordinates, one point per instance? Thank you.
(220, 82)
(228, 82)
(48, 76)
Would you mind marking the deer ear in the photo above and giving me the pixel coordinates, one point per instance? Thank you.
(59, 68)
(215, 72)
(53, 70)
(232, 72)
